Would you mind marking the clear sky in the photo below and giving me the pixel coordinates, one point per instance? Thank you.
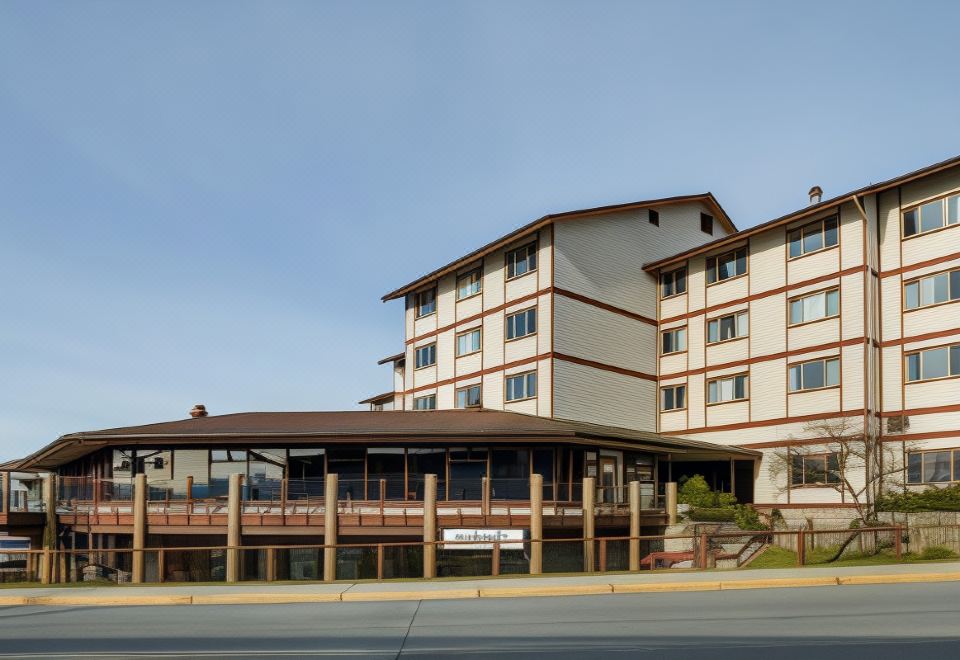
(202, 202)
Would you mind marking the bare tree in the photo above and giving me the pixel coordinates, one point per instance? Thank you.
(855, 462)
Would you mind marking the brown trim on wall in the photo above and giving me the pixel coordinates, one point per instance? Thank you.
(604, 367)
(767, 422)
(929, 435)
(924, 337)
(765, 294)
(483, 314)
(605, 306)
(919, 265)
(482, 372)
(955, 407)
(765, 358)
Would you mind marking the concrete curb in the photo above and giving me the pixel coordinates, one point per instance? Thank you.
(532, 591)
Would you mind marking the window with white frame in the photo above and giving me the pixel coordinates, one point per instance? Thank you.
(816, 306)
(673, 397)
(933, 363)
(428, 402)
(468, 342)
(673, 283)
(725, 328)
(426, 302)
(521, 386)
(522, 260)
(726, 266)
(815, 374)
(426, 356)
(813, 237)
(932, 290)
(521, 324)
(930, 467)
(931, 216)
(673, 341)
(732, 388)
(469, 284)
(468, 397)
(815, 469)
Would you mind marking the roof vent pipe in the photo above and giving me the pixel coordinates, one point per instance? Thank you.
(815, 194)
(199, 410)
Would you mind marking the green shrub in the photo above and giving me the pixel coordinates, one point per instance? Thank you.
(747, 518)
(931, 499)
(938, 552)
(726, 514)
(696, 492)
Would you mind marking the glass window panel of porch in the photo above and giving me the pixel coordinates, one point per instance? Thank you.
(510, 474)
(931, 216)
(543, 464)
(306, 469)
(348, 464)
(223, 463)
(468, 466)
(422, 461)
(265, 474)
(914, 468)
(387, 464)
(935, 363)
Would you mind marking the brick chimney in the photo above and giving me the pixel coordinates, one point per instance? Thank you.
(199, 410)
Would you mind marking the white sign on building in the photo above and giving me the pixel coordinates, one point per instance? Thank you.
(483, 539)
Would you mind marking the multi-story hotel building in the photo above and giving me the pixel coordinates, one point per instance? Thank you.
(660, 316)
(633, 343)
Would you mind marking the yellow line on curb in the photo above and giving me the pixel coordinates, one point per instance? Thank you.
(659, 587)
(527, 592)
(486, 592)
(777, 583)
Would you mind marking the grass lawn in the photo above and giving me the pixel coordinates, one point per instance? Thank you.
(775, 557)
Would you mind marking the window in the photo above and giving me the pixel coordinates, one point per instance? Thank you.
(673, 283)
(721, 390)
(522, 323)
(522, 261)
(468, 397)
(673, 397)
(653, 217)
(932, 290)
(816, 306)
(468, 342)
(428, 402)
(469, 284)
(815, 470)
(815, 374)
(426, 355)
(924, 467)
(426, 302)
(522, 386)
(725, 328)
(706, 223)
(673, 341)
(813, 237)
(727, 265)
(931, 216)
(941, 362)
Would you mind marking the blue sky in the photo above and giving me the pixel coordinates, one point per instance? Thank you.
(204, 202)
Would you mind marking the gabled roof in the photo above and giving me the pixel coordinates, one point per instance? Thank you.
(813, 209)
(268, 428)
(392, 358)
(707, 198)
(386, 396)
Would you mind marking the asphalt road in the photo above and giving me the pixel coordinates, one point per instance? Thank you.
(875, 622)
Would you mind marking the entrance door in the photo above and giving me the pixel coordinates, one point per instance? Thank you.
(608, 480)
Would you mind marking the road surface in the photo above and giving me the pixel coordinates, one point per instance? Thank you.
(875, 622)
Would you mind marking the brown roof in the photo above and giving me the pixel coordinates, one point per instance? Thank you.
(706, 197)
(392, 358)
(430, 426)
(386, 396)
(808, 210)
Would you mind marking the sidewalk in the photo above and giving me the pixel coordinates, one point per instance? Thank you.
(581, 585)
